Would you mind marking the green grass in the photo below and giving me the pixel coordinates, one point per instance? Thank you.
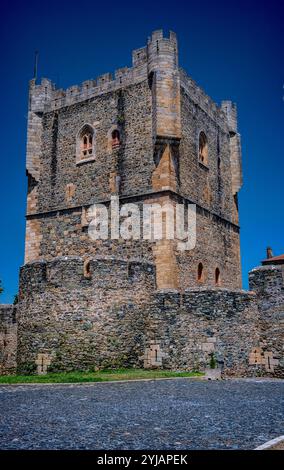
(101, 376)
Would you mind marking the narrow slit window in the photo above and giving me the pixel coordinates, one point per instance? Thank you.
(217, 277)
(87, 270)
(203, 148)
(200, 273)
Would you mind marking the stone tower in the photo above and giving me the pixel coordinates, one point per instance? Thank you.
(147, 135)
(173, 143)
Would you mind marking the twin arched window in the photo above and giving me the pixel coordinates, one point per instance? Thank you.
(85, 143)
(201, 276)
(203, 148)
(115, 139)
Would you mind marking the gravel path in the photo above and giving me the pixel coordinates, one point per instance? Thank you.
(166, 414)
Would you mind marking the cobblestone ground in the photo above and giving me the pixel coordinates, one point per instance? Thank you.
(172, 414)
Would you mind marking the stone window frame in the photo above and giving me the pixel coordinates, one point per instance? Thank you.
(203, 157)
(83, 132)
(110, 143)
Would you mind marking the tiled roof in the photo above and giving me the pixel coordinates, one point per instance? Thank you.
(274, 260)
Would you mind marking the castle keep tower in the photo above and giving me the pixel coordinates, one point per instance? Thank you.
(147, 135)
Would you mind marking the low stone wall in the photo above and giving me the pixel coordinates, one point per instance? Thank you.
(80, 314)
(190, 327)
(268, 284)
(8, 339)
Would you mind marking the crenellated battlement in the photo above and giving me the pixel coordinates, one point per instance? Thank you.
(45, 96)
(159, 51)
(230, 110)
(58, 98)
(199, 97)
(78, 273)
(40, 95)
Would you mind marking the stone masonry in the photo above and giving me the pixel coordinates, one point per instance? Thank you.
(268, 284)
(85, 322)
(148, 135)
(159, 112)
(8, 339)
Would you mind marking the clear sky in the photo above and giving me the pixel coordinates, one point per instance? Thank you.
(233, 49)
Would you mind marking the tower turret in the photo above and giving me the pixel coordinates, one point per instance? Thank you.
(165, 83)
(230, 109)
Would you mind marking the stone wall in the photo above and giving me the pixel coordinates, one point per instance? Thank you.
(268, 284)
(110, 315)
(217, 247)
(82, 320)
(159, 112)
(130, 109)
(214, 188)
(8, 339)
(86, 304)
(65, 233)
(189, 327)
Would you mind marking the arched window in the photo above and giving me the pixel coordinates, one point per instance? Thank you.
(200, 273)
(203, 148)
(217, 277)
(115, 139)
(87, 269)
(85, 143)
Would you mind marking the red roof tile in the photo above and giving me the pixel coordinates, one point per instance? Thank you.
(274, 259)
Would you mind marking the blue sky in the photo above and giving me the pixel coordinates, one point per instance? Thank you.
(233, 49)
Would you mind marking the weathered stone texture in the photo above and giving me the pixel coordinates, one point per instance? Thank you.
(191, 326)
(105, 303)
(83, 322)
(217, 246)
(8, 339)
(268, 284)
(165, 84)
(159, 112)
(115, 317)
(196, 177)
(91, 179)
(33, 240)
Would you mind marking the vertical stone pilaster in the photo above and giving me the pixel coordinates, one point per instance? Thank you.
(39, 96)
(230, 110)
(166, 264)
(33, 240)
(165, 84)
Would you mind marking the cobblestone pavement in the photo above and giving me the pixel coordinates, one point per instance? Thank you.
(167, 414)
